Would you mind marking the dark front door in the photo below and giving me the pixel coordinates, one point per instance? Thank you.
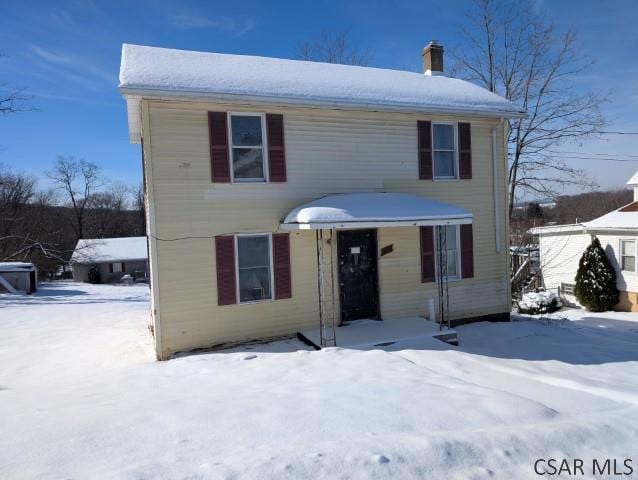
(358, 290)
(32, 287)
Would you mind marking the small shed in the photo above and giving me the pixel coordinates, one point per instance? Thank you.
(18, 277)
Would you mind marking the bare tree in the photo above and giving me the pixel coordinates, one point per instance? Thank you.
(12, 99)
(16, 190)
(514, 51)
(78, 180)
(333, 47)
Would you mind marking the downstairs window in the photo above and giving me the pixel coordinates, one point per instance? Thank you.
(254, 267)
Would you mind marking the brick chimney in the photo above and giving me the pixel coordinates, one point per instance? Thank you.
(433, 58)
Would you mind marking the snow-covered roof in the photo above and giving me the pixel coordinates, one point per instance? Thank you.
(99, 250)
(16, 267)
(360, 210)
(550, 229)
(625, 218)
(633, 180)
(153, 72)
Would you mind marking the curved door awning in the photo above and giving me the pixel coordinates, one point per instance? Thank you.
(373, 210)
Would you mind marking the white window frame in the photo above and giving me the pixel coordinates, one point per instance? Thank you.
(119, 267)
(272, 270)
(452, 278)
(620, 254)
(455, 127)
(263, 146)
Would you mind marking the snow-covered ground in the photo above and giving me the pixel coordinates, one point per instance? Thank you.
(81, 397)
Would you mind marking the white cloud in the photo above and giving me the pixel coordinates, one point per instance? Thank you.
(74, 68)
(225, 24)
(51, 57)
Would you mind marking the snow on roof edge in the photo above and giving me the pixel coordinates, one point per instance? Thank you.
(100, 250)
(569, 227)
(140, 77)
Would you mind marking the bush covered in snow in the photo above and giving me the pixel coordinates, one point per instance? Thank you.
(539, 302)
(596, 280)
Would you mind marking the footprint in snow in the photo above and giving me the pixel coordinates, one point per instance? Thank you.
(248, 357)
(380, 459)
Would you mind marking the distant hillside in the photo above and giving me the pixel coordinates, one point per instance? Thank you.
(567, 209)
(587, 206)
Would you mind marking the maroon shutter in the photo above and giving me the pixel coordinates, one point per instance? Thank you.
(465, 151)
(281, 263)
(225, 265)
(110, 268)
(276, 153)
(218, 137)
(123, 267)
(424, 129)
(427, 254)
(467, 252)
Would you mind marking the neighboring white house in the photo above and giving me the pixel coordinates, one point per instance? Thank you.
(287, 195)
(110, 258)
(561, 247)
(18, 277)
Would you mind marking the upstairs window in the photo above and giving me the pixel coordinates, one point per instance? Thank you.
(628, 255)
(247, 147)
(254, 267)
(444, 151)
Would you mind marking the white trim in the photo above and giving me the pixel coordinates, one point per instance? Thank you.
(451, 220)
(5, 283)
(151, 221)
(455, 127)
(620, 254)
(133, 96)
(263, 146)
(272, 269)
(497, 213)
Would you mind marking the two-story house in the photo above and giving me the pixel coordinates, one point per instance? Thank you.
(286, 194)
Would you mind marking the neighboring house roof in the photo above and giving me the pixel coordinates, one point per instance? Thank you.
(16, 267)
(100, 250)
(161, 72)
(549, 229)
(373, 210)
(625, 218)
(633, 180)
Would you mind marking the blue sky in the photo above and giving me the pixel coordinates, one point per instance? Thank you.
(66, 54)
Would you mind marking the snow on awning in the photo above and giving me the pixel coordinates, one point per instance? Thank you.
(373, 210)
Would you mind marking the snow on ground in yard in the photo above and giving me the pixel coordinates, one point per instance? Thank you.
(81, 397)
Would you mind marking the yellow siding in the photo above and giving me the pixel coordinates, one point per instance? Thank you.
(327, 151)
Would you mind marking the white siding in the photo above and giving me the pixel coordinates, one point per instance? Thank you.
(559, 256)
(626, 281)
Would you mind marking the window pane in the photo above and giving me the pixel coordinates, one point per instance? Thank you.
(248, 163)
(443, 137)
(246, 131)
(253, 251)
(254, 284)
(452, 257)
(629, 263)
(628, 247)
(444, 164)
(450, 236)
(451, 249)
(254, 268)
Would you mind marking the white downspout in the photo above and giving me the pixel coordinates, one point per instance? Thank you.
(497, 208)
